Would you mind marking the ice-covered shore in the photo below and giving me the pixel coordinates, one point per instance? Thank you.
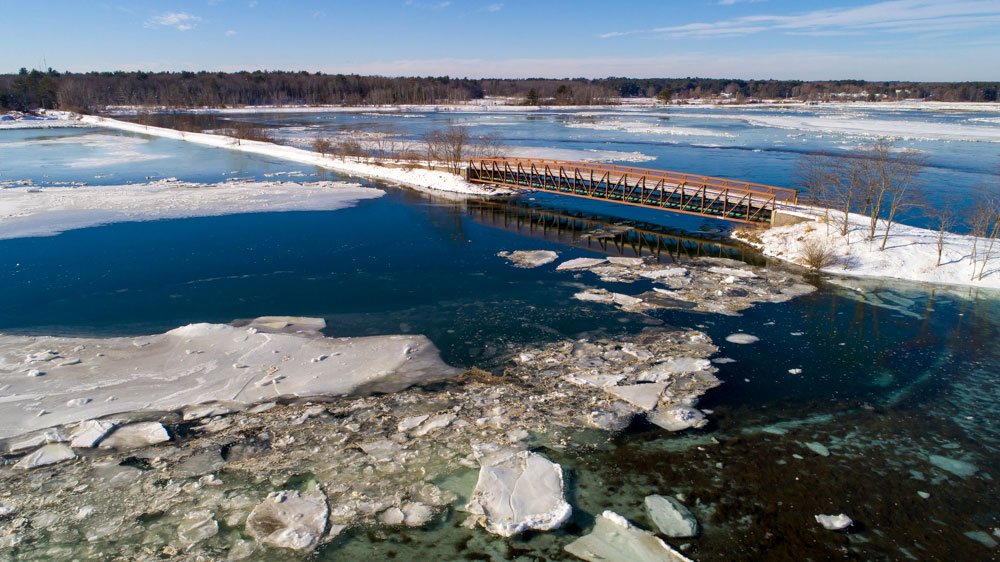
(44, 211)
(910, 252)
(264, 482)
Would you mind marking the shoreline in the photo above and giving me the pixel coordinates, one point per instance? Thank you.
(416, 177)
(624, 105)
(910, 253)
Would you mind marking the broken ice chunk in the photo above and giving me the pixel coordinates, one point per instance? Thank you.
(90, 433)
(834, 522)
(49, 454)
(741, 338)
(290, 519)
(520, 492)
(615, 539)
(136, 435)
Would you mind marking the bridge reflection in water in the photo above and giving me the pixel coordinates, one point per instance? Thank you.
(605, 234)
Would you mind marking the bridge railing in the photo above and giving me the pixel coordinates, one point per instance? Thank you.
(783, 196)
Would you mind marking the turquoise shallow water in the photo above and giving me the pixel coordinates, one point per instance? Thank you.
(890, 373)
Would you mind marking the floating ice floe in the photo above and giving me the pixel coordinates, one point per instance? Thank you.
(579, 263)
(197, 526)
(982, 538)
(615, 539)
(57, 209)
(954, 466)
(818, 448)
(290, 519)
(517, 492)
(530, 258)
(741, 338)
(716, 285)
(834, 522)
(671, 517)
(163, 376)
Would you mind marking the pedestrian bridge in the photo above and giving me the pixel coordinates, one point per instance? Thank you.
(694, 194)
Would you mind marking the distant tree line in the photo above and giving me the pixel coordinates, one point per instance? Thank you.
(823, 90)
(94, 91)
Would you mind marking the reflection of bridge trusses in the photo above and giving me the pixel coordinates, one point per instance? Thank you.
(693, 194)
(595, 234)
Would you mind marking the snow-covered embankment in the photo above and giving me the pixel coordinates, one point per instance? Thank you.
(415, 177)
(910, 253)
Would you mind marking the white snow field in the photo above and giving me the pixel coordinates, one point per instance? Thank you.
(642, 128)
(45, 211)
(908, 130)
(910, 253)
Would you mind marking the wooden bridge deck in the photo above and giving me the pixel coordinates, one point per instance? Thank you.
(693, 194)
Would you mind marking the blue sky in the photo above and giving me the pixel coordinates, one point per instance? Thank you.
(930, 40)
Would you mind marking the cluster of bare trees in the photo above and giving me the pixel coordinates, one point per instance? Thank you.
(985, 222)
(878, 181)
(453, 146)
(449, 147)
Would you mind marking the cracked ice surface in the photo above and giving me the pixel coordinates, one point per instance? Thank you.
(195, 364)
(385, 460)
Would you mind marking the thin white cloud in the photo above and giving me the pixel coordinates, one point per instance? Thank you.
(732, 2)
(428, 6)
(230, 33)
(892, 16)
(182, 21)
(494, 7)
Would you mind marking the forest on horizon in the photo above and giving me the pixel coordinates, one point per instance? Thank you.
(92, 92)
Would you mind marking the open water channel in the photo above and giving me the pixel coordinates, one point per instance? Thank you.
(896, 381)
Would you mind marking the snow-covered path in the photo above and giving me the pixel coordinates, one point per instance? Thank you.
(416, 177)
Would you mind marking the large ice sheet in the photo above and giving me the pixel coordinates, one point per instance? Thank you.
(91, 378)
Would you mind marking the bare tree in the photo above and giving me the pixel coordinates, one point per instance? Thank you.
(945, 219)
(322, 145)
(872, 162)
(489, 146)
(383, 142)
(848, 189)
(900, 186)
(985, 226)
(887, 178)
(351, 148)
(456, 147)
(433, 143)
(449, 146)
(817, 174)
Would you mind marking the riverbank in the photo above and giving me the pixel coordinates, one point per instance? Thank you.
(625, 104)
(411, 177)
(910, 253)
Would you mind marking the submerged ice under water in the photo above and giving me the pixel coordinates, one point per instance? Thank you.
(877, 400)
